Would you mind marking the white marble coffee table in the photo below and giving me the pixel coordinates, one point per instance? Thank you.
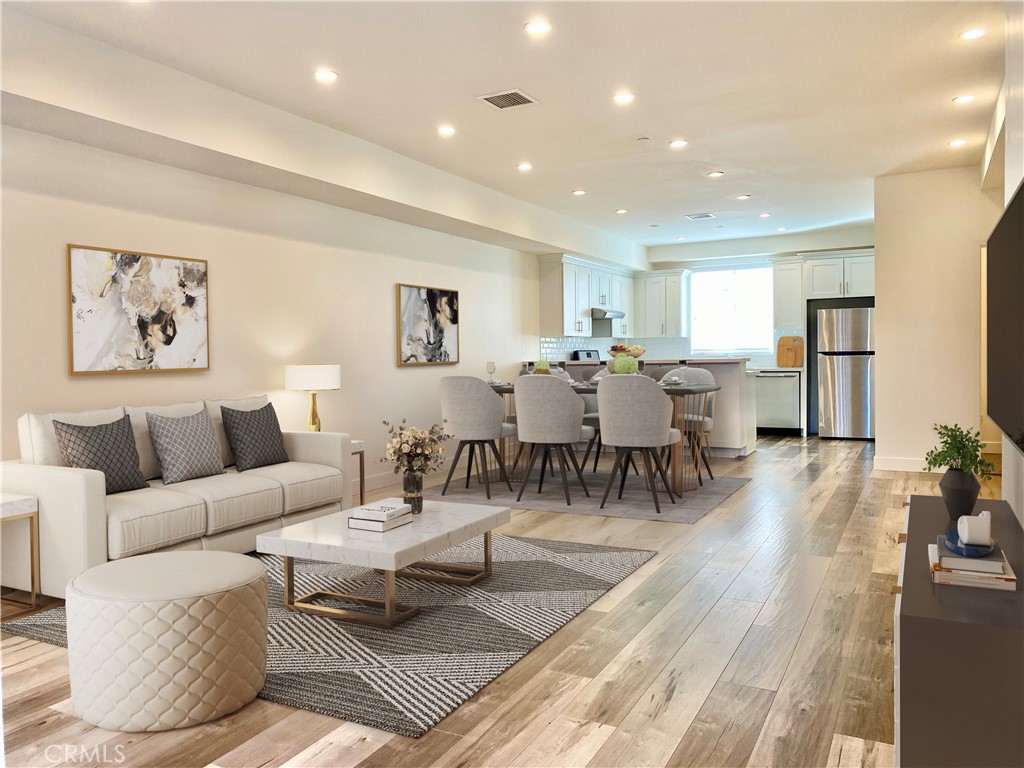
(442, 524)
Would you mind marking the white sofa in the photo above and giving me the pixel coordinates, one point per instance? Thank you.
(80, 526)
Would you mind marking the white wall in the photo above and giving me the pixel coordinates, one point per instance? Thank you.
(929, 229)
(1013, 461)
(290, 281)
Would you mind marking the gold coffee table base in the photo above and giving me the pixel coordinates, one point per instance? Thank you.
(453, 573)
(394, 612)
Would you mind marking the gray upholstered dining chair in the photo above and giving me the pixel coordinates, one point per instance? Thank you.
(700, 424)
(549, 418)
(636, 415)
(676, 374)
(474, 415)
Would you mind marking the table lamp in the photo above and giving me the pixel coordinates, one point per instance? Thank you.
(312, 379)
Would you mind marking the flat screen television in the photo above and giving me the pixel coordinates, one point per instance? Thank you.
(1006, 321)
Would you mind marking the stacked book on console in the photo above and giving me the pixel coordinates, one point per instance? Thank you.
(380, 516)
(990, 572)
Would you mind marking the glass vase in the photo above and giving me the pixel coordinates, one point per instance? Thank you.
(412, 491)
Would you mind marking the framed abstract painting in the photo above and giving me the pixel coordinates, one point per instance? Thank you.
(427, 326)
(131, 312)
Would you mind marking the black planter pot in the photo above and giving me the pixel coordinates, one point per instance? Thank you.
(960, 492)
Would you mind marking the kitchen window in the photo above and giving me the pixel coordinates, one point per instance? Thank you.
(731, 310)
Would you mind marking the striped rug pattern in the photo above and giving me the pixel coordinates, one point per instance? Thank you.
(406, 679)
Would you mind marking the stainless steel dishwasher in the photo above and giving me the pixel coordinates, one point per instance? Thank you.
(778, 400)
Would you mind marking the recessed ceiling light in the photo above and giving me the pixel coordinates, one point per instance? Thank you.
(781, 229)
(742, 197)
(966, 99)
(653, 226)
(623, 98)
(765, 215)
(325, 76)
(525, 167)
(716, 174)
(622, 210)
(446, 130)
(579, 192)
(680, 238)
(972, 34)
(537, 27)
(678, 143)
(957, 143)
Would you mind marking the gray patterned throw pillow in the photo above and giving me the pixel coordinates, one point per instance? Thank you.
(186, 446)
(110, 448)
(255, 437)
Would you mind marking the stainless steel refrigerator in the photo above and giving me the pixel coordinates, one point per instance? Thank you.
(846, 373)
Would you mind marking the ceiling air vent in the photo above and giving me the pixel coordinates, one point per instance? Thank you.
(699, 216)
(508, 99)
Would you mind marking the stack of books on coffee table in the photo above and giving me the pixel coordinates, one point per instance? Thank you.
(380, 516)
(990, 572)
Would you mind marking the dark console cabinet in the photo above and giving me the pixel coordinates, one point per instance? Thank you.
(959, 654)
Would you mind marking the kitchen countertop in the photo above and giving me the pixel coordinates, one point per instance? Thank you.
(775, 369)
(674, 361)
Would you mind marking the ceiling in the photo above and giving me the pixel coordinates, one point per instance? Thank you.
(801, 105)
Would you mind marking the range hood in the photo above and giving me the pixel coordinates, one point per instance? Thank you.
(597, 313)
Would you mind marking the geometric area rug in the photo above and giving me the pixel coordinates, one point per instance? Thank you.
(406, 679)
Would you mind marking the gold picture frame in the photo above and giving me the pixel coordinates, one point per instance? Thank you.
(136, 312)
(426, 325)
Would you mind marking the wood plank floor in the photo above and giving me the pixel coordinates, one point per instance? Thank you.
(759, 636)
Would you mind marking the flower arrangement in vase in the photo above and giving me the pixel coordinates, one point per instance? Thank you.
(959, 451)
(542, 366)
(414, 452)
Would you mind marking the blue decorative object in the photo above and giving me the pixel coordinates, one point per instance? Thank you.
(957, 547)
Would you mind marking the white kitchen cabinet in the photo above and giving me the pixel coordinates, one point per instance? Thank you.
(564, 299)
(601, 289)
(860, 276)
(788, 295)
(839, 277)
(661, 307)
(622, 300)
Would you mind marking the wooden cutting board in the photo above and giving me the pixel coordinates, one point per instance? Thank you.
(790, 352)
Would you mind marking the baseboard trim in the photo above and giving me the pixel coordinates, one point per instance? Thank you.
(898, 464)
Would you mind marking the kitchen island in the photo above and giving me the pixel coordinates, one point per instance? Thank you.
(735, 418)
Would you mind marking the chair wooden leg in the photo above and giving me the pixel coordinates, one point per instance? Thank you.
(451, 469)
(632, 461)
(646, 453)
(579, 472)
(625, 468)
(660, 466)
(565, 476)
(597, 453)
(515, 464)
(529, 468)
(611, 480)
(705, 453)
(482, 462)
(544, 459)
(501, 464)
(590, 446)
(469, 467)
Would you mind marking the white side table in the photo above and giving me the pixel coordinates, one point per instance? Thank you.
(14, 506)
(359, 449)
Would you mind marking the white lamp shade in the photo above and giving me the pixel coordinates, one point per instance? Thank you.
(312, 378)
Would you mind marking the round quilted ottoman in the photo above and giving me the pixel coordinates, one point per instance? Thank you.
(166, 640)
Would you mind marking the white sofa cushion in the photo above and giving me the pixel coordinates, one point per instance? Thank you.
(244, 404)
(148, 461)
(305, 485)
(233, 499)
(151, 518)
(39, 441)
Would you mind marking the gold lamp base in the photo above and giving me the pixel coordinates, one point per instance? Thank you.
(313, 425)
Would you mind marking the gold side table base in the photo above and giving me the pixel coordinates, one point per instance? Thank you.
(394, 613)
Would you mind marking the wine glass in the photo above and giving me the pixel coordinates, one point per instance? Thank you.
(490, 373)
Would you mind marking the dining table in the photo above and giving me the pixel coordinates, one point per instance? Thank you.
(687, 399)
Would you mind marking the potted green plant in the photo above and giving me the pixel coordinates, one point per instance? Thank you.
(959, 451)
